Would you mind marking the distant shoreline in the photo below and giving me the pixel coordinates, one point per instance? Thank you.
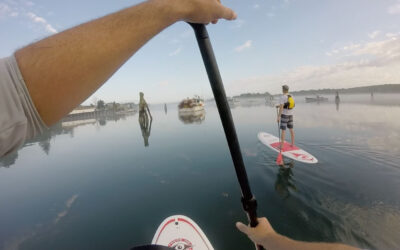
(383, 88)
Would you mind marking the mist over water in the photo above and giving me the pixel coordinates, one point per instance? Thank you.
(108, 183)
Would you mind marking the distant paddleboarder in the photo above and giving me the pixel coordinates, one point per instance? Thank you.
(337, 100)
(337, 97)
(285, 114)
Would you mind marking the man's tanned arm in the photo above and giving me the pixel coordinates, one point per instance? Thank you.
(63, 70)
(266, 236)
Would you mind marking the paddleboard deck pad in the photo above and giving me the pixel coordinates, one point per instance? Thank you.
(181, 233)
(288, 150)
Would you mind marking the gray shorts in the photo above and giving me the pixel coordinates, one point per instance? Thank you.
(286, 121)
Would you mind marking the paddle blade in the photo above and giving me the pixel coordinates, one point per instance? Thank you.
(279, 159)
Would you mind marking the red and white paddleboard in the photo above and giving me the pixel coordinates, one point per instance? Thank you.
(294, 152)
(181, 233)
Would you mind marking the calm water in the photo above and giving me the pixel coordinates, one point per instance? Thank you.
(94, 184)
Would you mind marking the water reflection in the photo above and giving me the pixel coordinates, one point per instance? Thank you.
(337, 106)
(102, 122)
(271, 102)
(370, 125)
(65, 127)
(43, 141)
(8, 160)
(344, 198)
(192, 117)
(145, 122)
(233, 102)
(284, 183)
(100, 117)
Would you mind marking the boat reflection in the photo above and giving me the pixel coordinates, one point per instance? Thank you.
(284, 183)
(233, 102)
(192, 117)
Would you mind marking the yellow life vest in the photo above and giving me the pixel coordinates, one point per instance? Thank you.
(290, 103)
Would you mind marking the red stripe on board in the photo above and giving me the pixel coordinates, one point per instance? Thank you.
(162, 229)
(286, 146)
(180, 219)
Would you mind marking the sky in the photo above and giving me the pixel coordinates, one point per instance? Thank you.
(306, 44)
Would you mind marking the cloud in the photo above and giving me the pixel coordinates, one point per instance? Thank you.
(5, 10)
(374, 34)
(40, 20)
(340, 51)
(29, 3)
(256, 6)
(22, 8)
(244, 46)
(285, 3)
(383, 52)
(365, 64)
(394, 9)
(175, 52)
(391, 35)
(35, 18)
(270, 14)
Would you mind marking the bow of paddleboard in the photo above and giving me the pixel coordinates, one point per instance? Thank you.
(288, 150)
(181, 233)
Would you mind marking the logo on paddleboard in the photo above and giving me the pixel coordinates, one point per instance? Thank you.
(181, 244)
(303, 157)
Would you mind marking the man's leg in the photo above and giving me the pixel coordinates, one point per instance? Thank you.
(290, 127)
(282, 137)
(292, 135)
(284, 123)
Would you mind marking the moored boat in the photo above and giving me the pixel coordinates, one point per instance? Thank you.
(233, 102)
(316, 99)
(191, 105)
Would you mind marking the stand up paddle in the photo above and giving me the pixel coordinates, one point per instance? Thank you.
(279, 158)
(248, 200)
(178, 231)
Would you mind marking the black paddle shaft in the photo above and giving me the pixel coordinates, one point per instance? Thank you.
(248, 200)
